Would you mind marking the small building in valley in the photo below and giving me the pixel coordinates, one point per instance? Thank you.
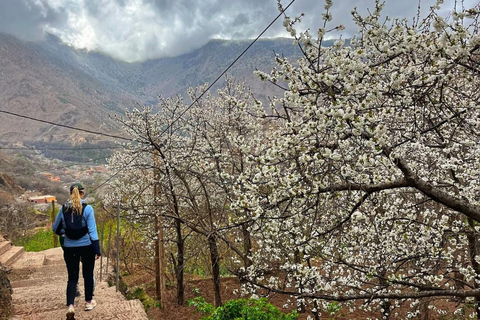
(42, 199)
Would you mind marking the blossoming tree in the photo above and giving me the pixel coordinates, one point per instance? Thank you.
(367, 188)
(359, 187)
(200, 155)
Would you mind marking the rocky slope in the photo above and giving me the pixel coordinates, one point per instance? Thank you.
(54, 82)
(32, 85)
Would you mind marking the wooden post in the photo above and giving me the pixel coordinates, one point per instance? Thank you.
(101, 250)
(109, 246)
(163, 267)
(55, 237)
(117, 264)
(160, 265)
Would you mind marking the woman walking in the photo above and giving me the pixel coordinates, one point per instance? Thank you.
(76, 223)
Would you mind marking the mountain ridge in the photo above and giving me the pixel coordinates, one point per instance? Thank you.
(56, 82)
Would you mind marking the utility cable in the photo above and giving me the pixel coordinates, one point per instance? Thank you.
(181, 114)
(66, 126)
(228, 68)
(60, 149)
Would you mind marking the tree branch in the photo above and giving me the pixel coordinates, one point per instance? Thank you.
(454, 203)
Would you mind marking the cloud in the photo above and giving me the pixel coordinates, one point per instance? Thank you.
(25, 19)
(136, 30)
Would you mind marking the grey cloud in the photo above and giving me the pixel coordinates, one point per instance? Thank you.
(120, 2)
(146, 29)
(25, 19)
(95, 10)
(240, 20)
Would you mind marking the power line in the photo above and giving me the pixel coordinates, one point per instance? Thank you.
(228, 68)
(59, 149)
(213, 83)
(65, 126)
(182, 113)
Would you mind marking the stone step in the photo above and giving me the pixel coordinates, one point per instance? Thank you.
(30, 260)
(39, 291)
(11, 255)
(25, 297)
(126, 310)
(4, 246)
(54, 256)
(56, 274)
(24, 290)
(32, 282)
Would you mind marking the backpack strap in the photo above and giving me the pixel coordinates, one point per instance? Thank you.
(84, 205)
(60, 225)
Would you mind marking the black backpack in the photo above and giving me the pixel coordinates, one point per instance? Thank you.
(73, 223)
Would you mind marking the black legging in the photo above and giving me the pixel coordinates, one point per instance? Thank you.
(72, 257)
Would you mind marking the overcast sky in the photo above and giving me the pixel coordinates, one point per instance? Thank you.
(134, 30)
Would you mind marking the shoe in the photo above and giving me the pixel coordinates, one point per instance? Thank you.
(71, 313)
(90, 305)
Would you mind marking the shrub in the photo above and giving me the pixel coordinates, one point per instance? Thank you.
(141, 295)
(16, 218)
(240, 309)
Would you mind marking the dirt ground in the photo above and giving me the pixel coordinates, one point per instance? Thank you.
(204, 288)
(231, 286)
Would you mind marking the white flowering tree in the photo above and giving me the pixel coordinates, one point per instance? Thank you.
(366, 192)
(217, 128)
(145, 180)
(360, 187)
(201, 153)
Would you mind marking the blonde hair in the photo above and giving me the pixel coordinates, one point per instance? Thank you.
(76, 200)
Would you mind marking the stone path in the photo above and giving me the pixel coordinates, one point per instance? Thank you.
(39, 281)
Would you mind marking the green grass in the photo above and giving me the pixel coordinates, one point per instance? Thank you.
(39, 241)
(142, 295)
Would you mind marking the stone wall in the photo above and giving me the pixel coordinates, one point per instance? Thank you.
(5, 295)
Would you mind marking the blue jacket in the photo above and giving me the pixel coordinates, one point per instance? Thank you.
(91, 238)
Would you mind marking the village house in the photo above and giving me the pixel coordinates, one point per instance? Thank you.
(42, 199)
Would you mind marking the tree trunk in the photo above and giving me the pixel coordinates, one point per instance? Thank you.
(158, 290)
(160, 263)
(473, 248)
(247, 246)
(385, 304)
(180, 263)
(424, 309)
(215, 260)
(160, 272)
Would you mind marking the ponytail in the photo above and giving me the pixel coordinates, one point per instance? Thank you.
(76, 200)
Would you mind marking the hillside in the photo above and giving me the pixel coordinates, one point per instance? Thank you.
(172, 75)
(39, 87)
(51, 81)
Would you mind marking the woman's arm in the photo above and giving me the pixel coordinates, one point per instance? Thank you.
(57, 226)
(92, 229)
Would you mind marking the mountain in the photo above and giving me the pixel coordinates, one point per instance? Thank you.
(9, 189)
(37, 85)
(51, 81)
